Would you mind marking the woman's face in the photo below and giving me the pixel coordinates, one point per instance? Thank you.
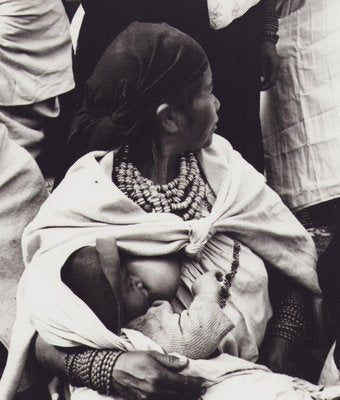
(202, 119)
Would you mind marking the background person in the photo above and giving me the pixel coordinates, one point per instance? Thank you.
(35, 69)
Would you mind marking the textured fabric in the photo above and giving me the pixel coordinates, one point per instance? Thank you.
(222, 13)
(87, 205)
(35, 51)
(301, 114)
(195, 333)
(22, 191)
(239, 383)
(330, 375)
(286, 7)
(144, 65)
(26, 124)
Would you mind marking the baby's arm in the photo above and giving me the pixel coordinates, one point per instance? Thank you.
(196, 332)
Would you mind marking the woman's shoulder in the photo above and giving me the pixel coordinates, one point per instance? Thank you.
(218, 140)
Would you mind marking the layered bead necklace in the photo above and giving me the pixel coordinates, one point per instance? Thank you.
(184, 196)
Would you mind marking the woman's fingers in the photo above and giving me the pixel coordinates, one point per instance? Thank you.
(219, 276)
(173, 362)
(150, 375)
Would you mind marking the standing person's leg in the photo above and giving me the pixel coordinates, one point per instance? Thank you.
(26, 123)
(235, 60)
(22, 191)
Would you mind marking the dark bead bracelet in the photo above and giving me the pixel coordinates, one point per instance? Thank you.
(270, 37)
(92, 368)
(291, 321)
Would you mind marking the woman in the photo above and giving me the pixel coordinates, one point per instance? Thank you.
(174, 186)
(239, 37)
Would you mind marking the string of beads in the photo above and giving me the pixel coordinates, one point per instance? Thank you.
(184, 196)
(229, 277)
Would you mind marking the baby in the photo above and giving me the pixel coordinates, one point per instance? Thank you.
(128, 292)
(136, 292)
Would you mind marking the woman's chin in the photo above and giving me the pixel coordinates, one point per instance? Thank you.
(208, 141)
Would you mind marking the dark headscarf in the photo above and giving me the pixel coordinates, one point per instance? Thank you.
(141, 68)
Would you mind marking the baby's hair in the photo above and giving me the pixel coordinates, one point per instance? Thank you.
(82, 273)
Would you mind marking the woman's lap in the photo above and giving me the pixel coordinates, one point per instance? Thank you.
(256, 385)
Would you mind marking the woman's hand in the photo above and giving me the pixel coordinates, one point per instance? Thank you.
(209, 284)
(152, 375)
(279, 355)
(270, 62)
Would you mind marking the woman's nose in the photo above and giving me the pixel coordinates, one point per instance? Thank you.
(217, 103)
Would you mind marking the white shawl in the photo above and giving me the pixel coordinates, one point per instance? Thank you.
(88, 205)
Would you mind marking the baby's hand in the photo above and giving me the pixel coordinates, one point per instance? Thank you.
(209, 284)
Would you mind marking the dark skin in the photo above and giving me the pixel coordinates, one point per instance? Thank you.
(279, 355)
(329, 278)
(137, 374)
(270, 63)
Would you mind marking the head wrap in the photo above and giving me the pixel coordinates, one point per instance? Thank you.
(143, 66)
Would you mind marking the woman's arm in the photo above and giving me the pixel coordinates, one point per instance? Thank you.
(288, 331)
(135, 374)
(51, 359)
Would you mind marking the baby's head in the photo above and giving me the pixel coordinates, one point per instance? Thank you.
(146, 279)
(119, 288)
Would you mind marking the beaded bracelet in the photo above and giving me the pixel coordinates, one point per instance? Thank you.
(291, 322)
(270, 37)
(92, 368)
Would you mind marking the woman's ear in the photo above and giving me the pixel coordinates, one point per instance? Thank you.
(168, 118)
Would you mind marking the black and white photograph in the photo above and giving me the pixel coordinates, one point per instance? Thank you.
(170, 199)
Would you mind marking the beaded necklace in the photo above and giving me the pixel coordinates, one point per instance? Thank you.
(184, 196)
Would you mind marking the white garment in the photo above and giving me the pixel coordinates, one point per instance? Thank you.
(22, 191)
(26, 124)
(301, 114)
(35, 51)
(330, 375)
(223, 12)
(254, 384)
(87, 205)
(286, 7)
